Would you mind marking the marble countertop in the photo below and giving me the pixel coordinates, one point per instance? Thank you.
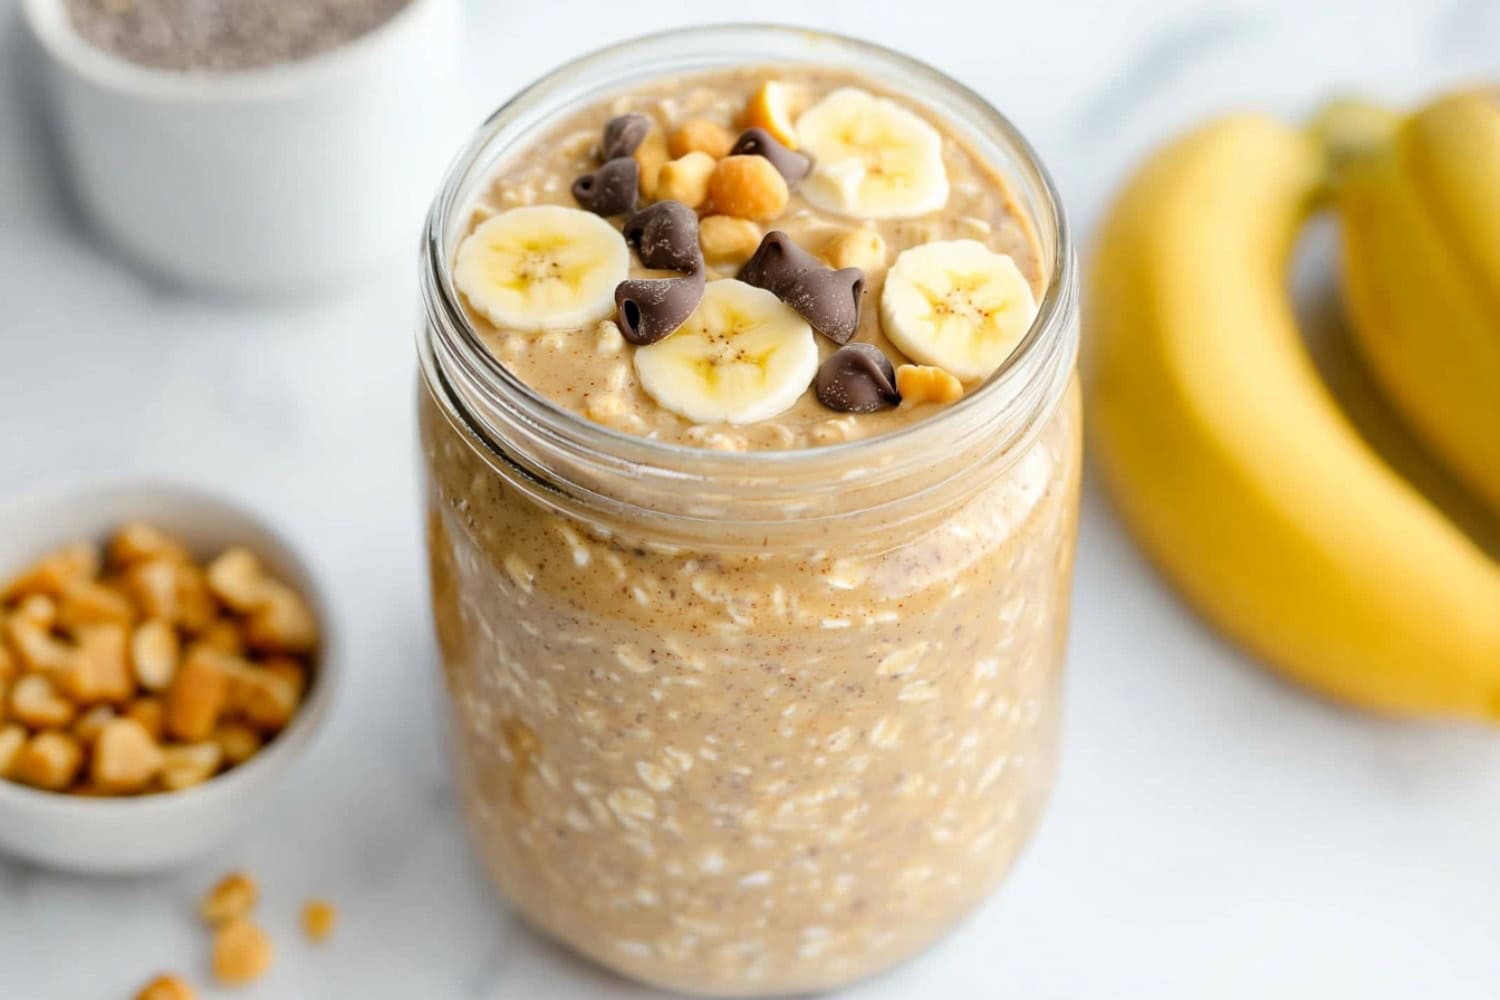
(1213, 833)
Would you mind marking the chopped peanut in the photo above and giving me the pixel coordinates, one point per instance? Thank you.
(224, 635)
(101, 669)
(232, 899)
(35, 703)
(167, 987)
(153, 584)
(137, 541)
(926, 384)
(318, 918)
(53, 572)
(242, 953)
(38, 649)
(770, 108)
(50, 760)
(283, 624)
(39, 609)
(748, 187)
(154, 652)
(726, 239)
(151, 714)
(196, 607)
(88, 602)
(235, 578)
(12, 739)
(187, 764)
(266, 696)
(702, 135)
(86, 730)
(861, 248)
(126, 757)
(198, 694)
(649, 157)
(8, 665)
(238, 742)
(685, 179)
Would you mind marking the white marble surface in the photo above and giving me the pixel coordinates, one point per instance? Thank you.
(1214, 834)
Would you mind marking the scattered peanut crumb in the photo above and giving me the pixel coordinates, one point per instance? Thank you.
(318, 917)
(233, 898)
(242, 952)
(167, 987)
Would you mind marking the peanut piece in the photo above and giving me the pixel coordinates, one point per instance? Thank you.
(926, 384)
(283, 624)
(39, 609)
(8, 665)
(725, 239)
(154, 653)
(198, 694)
(237, 742)
(702, 135)
(51, 574)
(137, 541)
(49, 761)
(318, 918)
(232, 899)
(649, 156)
(101, 669)
(37, 648)
(153, 584)
(126, 757)
(167, 987)
(224, 635)
(748, 187)
(35, 703)
(196, 607)
(12, 739)
(242, 953)
(87, 602)
(861, 248)
(686, 179)
(268, 696)
(235, 578)
(86, 730)
(185, 765)
(151, 714)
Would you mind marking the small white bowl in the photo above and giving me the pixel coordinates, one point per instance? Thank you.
(276, 180)
(150, 832)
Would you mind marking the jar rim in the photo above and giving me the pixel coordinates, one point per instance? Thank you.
(1050, 325)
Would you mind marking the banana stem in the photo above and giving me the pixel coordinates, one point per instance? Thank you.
(1349, 128)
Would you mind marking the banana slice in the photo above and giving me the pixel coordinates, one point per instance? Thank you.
(958, 305)
(742, 356)
(872, 158)
(542, 267)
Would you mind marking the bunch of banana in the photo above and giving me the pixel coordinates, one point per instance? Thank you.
(1419, 209)
(1237, 469)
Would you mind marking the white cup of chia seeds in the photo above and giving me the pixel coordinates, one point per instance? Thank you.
(269, 157)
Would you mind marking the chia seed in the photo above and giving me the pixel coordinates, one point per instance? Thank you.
(225, 35)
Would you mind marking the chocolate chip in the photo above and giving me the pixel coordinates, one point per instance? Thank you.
(610, 190)
(650, 308)
(665, 235)
(623, 135)
(857, 378)
(791, 164)
(829, 300)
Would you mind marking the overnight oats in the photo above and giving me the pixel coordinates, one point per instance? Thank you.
(752, 450)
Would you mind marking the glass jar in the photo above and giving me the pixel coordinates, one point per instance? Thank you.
(758, 722)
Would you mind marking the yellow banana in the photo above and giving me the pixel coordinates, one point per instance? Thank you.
(1419, 211)
(1234, 465)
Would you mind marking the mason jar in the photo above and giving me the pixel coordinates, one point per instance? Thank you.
(749, 722)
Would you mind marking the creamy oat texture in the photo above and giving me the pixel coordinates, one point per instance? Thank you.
(591, 373)
(738, 772)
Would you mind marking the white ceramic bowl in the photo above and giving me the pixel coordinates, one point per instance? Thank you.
(278, 180)
(151, 832)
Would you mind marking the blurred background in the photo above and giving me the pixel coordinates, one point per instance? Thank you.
(1213, 834)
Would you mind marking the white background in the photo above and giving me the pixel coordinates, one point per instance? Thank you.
(1214, 834)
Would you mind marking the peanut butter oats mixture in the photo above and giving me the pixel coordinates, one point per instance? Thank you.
(739, 771)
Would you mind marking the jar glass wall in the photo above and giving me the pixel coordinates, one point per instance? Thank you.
(755, 722)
